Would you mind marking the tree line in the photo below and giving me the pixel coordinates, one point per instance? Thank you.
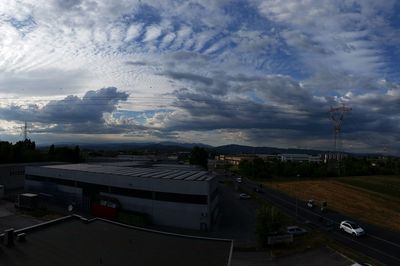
(351, 166)
(26, 151)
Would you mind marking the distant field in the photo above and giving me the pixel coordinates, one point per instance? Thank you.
(385, 185)
(373, 199)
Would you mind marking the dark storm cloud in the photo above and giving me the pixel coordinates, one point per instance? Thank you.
(89, 128)
(188, 77)
(136, 63)
(74, 114)
(71, 109)
(278, 106)
(270, 102)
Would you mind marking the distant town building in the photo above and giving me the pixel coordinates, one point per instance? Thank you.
(268, 157)
(235, 159)
(300, 158)
(326, 157)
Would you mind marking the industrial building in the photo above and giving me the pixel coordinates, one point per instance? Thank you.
(168, 196)
(12, 176)
(300, 158)
(73, 240)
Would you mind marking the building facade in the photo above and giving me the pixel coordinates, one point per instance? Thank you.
(170, 197)
(300, 158)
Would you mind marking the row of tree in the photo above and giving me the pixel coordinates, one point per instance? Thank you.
(350, 166)
(26, 151)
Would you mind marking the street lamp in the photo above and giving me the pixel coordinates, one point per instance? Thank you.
(297, 202)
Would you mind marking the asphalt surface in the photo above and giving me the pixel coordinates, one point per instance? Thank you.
(380, 244)
(238, 218)
(316, 257)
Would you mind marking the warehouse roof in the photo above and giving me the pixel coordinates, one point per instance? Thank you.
(176, 174)
(71, 241)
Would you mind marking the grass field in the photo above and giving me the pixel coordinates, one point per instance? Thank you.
(373, 199)
(384, 185)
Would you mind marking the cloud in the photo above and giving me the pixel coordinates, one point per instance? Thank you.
(92, 113)
(203, 69)
(188, 77)
(338, 37)
(278, 109)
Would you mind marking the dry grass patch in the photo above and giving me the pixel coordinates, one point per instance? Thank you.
(369, 207)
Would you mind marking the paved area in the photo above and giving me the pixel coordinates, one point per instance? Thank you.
(318, 257)
(11, 218)
(238, 218)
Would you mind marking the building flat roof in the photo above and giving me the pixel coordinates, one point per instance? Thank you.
(149, 172)
(71, 241)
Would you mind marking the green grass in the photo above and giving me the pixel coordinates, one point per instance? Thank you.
(384, 185)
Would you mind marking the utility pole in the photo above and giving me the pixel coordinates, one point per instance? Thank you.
(337, 115)
(297, 201)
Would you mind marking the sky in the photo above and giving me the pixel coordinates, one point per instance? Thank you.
(256, 72)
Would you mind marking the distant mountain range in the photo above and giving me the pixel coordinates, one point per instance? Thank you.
(169, 146)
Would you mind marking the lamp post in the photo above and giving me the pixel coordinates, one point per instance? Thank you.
(297, 202)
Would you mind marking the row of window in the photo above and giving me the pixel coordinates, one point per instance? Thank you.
(145, 194)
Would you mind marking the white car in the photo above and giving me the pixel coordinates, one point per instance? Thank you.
(244, 196)
(361, 264)
(239, 180)
(351, 228)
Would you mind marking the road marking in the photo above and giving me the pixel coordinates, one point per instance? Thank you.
(384, 240)
(374, 249)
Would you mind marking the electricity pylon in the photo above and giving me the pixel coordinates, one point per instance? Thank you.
(337, 116)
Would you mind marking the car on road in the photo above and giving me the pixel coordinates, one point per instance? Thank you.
(244, 196)
(258, 190)
(351, 228)
(239, 180)
(361, 264)
(295, 230)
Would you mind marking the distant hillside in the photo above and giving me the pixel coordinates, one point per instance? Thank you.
(169, 146)
(149, 146)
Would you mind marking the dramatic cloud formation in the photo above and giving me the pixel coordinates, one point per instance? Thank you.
(260, 72)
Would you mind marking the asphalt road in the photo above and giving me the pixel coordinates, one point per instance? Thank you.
(238, 218)
(378, 243)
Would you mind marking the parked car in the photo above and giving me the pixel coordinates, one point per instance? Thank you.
(239, 180)
(351, 228)
(244, 196)
(295, 230)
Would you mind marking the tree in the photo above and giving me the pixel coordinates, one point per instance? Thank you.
(76, 154)
(199, 156)
(268, 220)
